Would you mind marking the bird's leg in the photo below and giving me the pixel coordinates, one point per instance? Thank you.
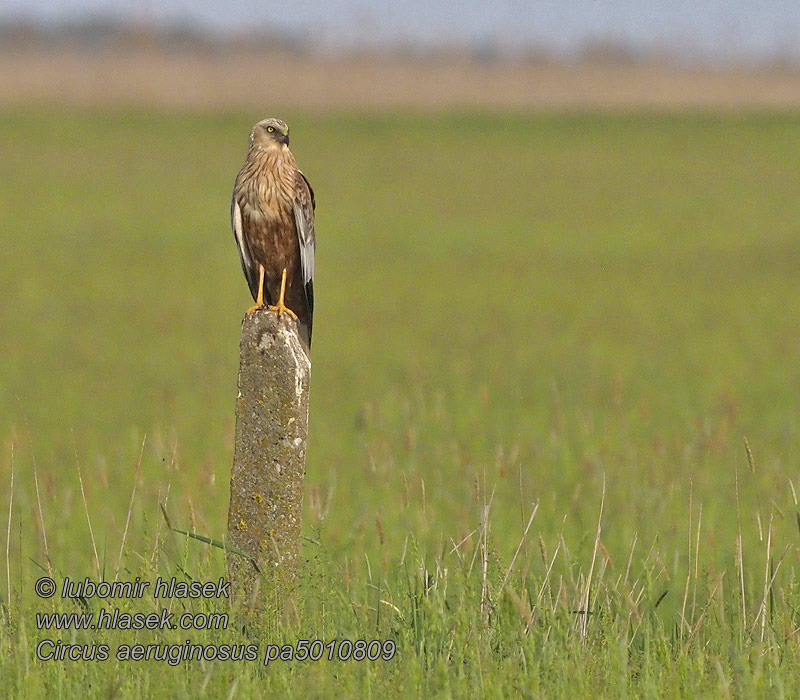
(280, 307)
(260, 300)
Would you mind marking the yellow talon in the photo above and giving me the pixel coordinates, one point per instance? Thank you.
(260, 300)
(280, 307)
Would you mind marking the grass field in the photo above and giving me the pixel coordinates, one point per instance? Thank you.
(580, 315)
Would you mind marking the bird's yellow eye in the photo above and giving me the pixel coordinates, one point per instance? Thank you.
(270, 129)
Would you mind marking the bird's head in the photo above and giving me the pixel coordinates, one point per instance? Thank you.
(270, 134)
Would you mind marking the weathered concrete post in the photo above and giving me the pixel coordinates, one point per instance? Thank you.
(264, 516)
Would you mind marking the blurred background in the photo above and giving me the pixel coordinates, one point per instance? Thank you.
(349, 54)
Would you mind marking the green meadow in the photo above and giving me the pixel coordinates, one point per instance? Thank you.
(555, 401)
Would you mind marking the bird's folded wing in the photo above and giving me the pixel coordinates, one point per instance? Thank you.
(304, 221)
(250, 270)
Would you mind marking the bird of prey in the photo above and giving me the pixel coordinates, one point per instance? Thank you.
(272, 215)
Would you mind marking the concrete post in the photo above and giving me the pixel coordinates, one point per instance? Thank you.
(264, 516)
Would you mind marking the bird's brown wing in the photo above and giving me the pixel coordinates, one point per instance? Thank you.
(249, 266)
(304, 206)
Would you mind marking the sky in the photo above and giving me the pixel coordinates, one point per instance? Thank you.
(716, 29)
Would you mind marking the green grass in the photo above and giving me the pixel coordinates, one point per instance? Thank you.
(512, 310)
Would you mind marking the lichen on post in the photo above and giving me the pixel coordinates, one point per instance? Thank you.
(264, 516)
